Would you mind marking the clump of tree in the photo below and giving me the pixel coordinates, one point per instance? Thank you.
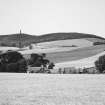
(12, 61)
(38, 60)
(30, 46)
(100, 64)
(51, 65)
(98, 43)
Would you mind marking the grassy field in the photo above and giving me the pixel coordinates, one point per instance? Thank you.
(75, 54)
(67, 42)
(52, 89)
(58, 46)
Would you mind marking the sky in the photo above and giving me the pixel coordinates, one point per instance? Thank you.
(39, 17)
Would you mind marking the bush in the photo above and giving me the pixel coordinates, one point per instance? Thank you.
(100, 64)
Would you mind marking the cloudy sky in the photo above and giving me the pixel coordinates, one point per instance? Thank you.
(46, 16)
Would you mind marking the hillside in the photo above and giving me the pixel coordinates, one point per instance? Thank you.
(64, 36)
(60, 48)
(77, 54)
(26, 39)
(14, 39)
(86, 62)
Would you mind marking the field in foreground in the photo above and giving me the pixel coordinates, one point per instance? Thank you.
(52, 89)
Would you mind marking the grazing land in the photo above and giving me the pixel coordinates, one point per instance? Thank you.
(68, 42)
(67, 57)
(76, 54)
(52, 89)
(58, 46)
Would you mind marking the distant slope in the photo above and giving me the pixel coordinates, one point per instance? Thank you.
(66, 54)
(80, 63)
(26, 39)
(63, 36)
(14, 39)
(77, 54)
(58, 46)
(67, 43)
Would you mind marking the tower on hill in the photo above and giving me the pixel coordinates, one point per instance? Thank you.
(20, 37)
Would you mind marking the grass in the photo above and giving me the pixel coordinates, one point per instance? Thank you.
(77, 54)
(52, 89)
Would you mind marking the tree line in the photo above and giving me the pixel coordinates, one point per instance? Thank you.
(13, 61)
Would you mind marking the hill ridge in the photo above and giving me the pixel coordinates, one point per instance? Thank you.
(27, 39)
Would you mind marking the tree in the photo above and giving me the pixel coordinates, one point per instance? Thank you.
(22, 66)
(13, 56)
(37, 60)
(100, 64)
(51, 65)
(30, 46)
(43, 55)
(12, 62)
(34, 57)
(98, 43)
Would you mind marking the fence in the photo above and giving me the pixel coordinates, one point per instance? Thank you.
(73, 70)
(68, 70)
